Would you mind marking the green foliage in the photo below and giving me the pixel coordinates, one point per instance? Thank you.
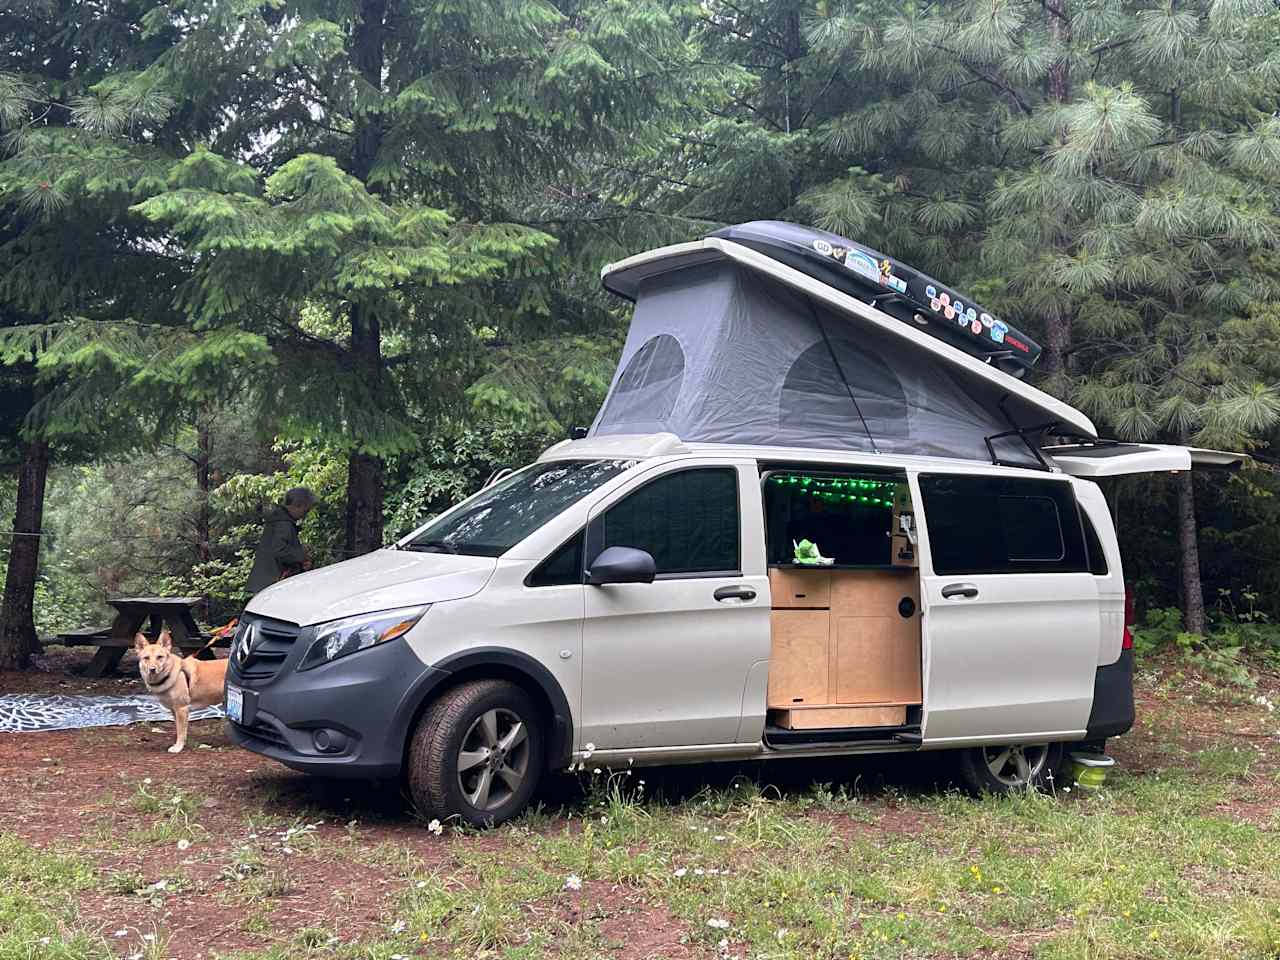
(453, 464)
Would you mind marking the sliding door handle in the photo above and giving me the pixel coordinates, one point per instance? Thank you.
(965, 590)
(735, 593)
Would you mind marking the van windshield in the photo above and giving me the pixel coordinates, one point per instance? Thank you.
(506, 513)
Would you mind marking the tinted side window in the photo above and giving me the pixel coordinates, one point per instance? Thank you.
(564, 566)
(1002, 525)
(1097, 559)
(688, 520)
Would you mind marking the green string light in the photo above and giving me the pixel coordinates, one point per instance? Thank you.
(855, 490)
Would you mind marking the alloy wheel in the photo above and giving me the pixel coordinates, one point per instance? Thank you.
(494, 759)
(1016, 765)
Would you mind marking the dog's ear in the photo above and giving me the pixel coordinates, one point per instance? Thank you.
(139, 641)
(165, 640)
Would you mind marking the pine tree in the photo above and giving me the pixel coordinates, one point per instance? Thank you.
(1103, 173)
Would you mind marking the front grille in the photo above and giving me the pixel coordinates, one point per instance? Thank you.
(263, 730)
(267, 647)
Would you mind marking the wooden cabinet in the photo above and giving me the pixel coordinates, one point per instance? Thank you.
(846, 647)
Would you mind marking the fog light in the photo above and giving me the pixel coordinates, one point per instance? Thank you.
(329, 741)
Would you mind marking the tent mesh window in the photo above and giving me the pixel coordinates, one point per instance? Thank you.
(848, 516)
(650, 385)
(814, 384)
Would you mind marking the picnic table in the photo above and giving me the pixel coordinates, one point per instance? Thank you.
(132, 613)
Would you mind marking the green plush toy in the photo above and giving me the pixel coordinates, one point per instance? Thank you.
(807, 552)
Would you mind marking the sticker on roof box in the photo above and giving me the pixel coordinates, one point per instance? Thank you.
(935, 304)
(822, 247)
(986, 320)
(972, 314)
(998, 330)
(896, 282)
(949, 312)
(931, 292)
(975, 326)
(862, 265)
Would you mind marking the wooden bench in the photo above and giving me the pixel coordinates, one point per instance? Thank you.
(132, 613)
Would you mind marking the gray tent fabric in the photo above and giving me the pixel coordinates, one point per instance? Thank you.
(718, 353)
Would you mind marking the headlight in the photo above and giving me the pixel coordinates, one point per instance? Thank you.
(341, 637)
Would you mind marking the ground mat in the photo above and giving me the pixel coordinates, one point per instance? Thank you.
(31, 713)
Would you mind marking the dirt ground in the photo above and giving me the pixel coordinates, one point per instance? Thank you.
(323, 854)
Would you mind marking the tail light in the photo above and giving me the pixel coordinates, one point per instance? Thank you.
(1127, 642)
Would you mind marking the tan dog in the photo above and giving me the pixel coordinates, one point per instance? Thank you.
(179, 682)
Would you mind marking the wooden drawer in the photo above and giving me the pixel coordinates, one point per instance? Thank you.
(802, 589)
(818, 718)
(799, 667)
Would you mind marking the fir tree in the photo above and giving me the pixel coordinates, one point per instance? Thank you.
(379, 178)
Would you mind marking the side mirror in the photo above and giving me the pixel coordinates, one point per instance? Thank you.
(621, 565)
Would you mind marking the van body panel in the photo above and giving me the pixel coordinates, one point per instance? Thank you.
(665, 664)
(543, 623)
(381, 580)
(1111, 584)
(1011, 658)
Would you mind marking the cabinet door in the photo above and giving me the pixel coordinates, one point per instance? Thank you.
(799, 668)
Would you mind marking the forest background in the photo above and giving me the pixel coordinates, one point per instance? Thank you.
(355, 245)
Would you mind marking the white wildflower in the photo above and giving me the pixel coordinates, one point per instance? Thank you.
(148, 937)
(589, 749)
(681, 871)
(724, 943)
(573, 882)
(716, 923)
(398, 927)
(184, 843)
(720, 838)
(147, 780)
(436, 827)
(780, 934)
(121, 933)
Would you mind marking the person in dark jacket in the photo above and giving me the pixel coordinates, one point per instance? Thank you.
(280, 552)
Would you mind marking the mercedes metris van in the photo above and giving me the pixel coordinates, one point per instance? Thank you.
(644, 600)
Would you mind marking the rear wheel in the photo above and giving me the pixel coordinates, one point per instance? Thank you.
(477, 754)
(1010, 768)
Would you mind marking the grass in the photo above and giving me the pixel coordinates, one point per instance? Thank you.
(1153, 867)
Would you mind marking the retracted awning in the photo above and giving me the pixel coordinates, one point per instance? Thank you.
(1109, 458)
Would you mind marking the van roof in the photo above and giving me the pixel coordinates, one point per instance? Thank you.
(652, 445)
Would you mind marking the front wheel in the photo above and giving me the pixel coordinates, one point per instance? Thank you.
(1010, 768)
(477, 754)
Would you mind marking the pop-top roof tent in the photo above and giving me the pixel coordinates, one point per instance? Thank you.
(775, 334)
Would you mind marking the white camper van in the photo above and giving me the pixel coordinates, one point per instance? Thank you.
(803, 524)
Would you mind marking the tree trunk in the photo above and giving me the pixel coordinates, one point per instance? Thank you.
(1193, 619)
(17, 615)
(1057, 341)
(1057, 347)
(202, 490)
(365, 472)
(203, 552)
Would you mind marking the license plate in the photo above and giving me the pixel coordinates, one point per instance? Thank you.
(235, 704)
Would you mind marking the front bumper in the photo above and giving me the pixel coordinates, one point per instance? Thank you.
(348, 718)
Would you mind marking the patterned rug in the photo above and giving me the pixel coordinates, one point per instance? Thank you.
(32, 712)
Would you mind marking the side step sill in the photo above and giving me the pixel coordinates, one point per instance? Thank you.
(780, 738)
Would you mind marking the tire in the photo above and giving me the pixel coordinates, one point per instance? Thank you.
(455, 769)
(1010, 768)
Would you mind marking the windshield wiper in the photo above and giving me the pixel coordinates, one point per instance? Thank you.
(431, 546)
